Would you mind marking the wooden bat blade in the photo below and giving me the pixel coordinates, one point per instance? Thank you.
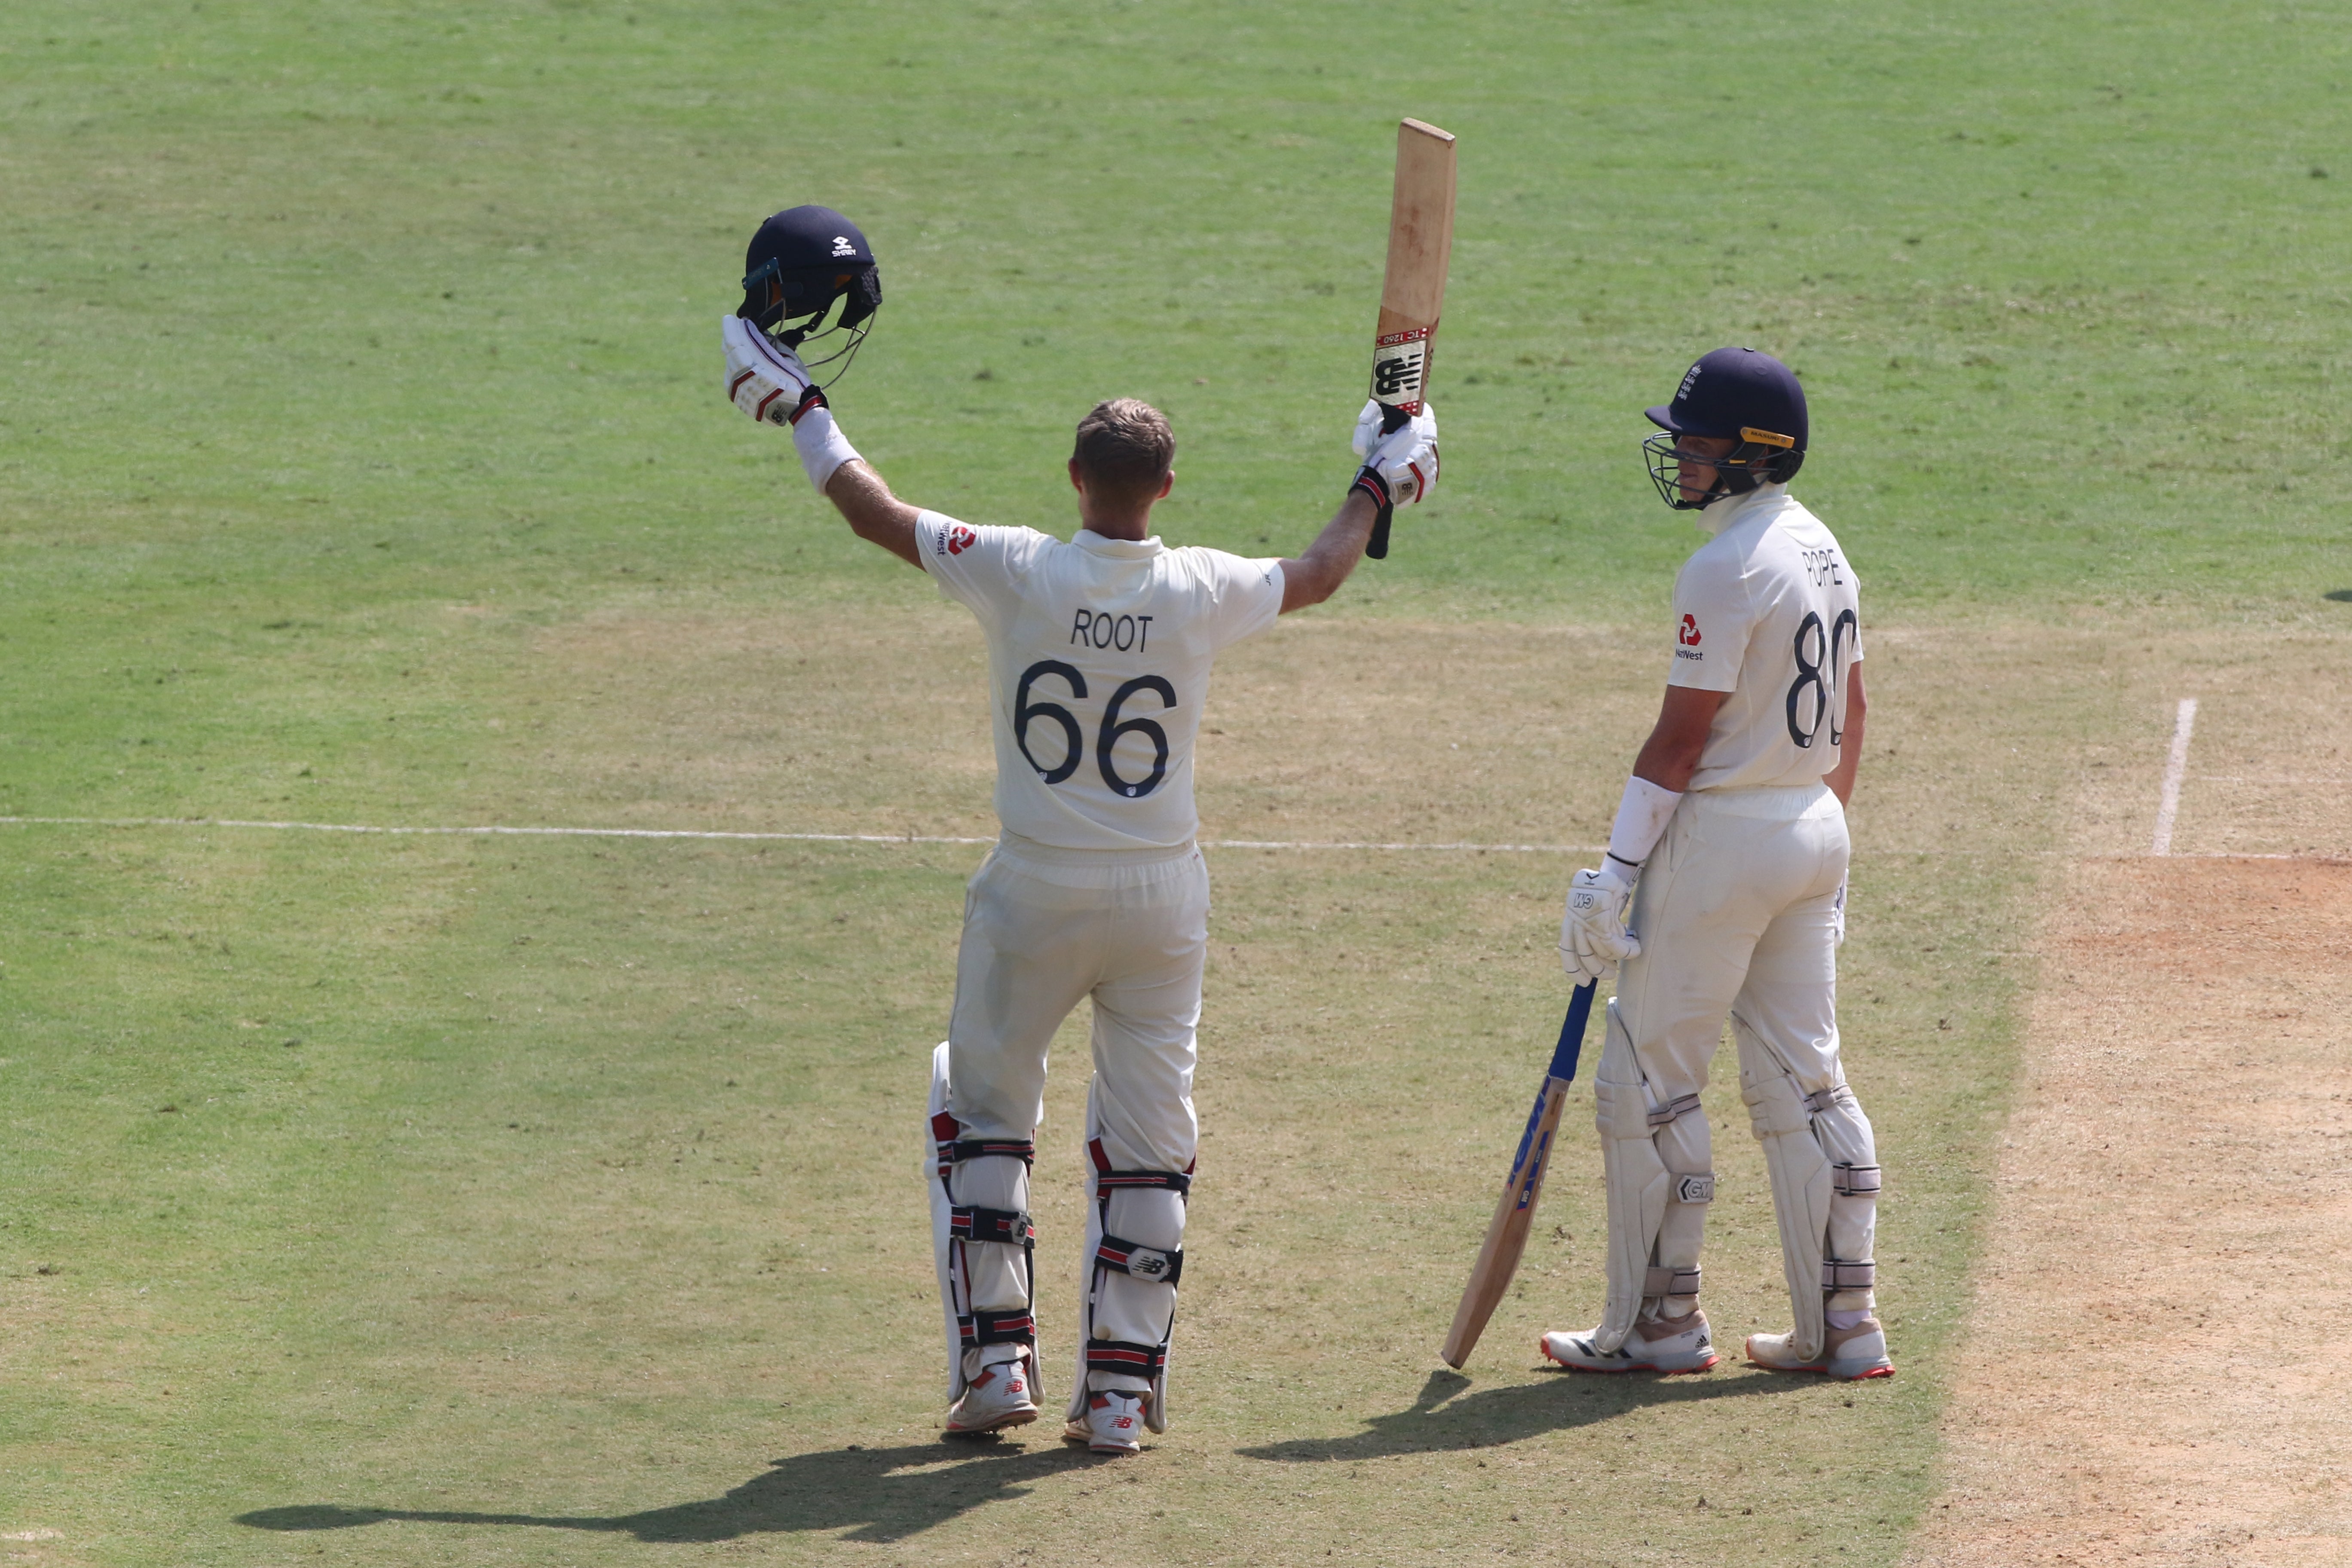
(1421, 228)
(1507, 1233)
(1514, 1211)
(1413, 291)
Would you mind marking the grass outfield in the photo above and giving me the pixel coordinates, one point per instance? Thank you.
(362, 460)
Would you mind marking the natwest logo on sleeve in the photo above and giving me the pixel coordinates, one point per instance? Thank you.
(1689, 635)
(958, 539)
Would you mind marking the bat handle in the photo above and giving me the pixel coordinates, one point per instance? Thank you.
(1392, 419)
(1572, 1032)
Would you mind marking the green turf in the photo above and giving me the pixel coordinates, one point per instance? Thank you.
(328, 317)
(357, 352)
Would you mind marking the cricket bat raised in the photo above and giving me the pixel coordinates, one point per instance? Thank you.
(1421, 241)
(1506, 1235)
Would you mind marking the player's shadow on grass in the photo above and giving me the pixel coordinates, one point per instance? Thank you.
(877, 1494)
(1438, 1420)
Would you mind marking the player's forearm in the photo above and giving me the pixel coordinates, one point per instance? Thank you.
(1840, 778)
(874, 514)
(1671, 755)
(1316, 575)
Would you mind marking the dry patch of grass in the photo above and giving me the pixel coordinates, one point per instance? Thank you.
(1326, 728)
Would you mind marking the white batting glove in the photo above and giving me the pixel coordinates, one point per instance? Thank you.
(1404, 460)
(766, 379)
(1593, 935)
(1837, 916)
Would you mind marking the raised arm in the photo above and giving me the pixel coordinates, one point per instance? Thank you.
(767, 381)
(1315, 576)
(875, 514)
(1399, 468)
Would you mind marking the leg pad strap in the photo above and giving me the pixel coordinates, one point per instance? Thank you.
(1152, 1265)
(1819, 1101)
(997, 1329)
(1854, 1181)
(1668, 1282)
(945, 1131)
(1118, 1355)
(1113, 1181)
(1839, 1275)
(1682, 1105)
(973, 1223)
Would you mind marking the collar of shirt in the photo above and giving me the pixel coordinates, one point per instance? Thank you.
(1086, 538)
(1718, 515)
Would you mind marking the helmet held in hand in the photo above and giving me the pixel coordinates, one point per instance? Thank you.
(801, 262)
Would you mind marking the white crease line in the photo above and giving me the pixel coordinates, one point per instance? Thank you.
(2175, 765)
(2319, 857)
(715, 833)
(1466, 849)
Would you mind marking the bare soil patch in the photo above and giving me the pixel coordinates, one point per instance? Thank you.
(2150, 1377)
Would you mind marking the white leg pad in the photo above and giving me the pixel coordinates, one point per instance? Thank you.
(1855, 1178)
(1132, 1313)
(975, 1276)
(942, 1244)
(1800, 1182)
(1138, 1310)
(1636, 1181)
(996, 1273)
(1086, 1272)
(1687, 1148)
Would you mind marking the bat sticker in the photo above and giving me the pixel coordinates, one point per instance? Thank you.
(1400, 362)
(1535, 1171)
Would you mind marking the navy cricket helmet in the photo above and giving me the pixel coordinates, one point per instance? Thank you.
(1742, 396)
(801, 261)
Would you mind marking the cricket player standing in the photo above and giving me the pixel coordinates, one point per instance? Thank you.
(1099, 654)
(1730, 846)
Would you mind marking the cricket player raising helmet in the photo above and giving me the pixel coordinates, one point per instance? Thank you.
(1099, 653)
(1730, 849)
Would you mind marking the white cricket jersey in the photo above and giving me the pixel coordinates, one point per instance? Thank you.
(1769, 611)
(1098, 656)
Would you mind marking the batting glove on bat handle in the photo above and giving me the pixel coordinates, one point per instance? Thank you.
(1593, 938)
(1401, 459)
(1392, 419)
(1369, 480)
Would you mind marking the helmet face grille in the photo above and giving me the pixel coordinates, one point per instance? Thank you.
(1748, 465)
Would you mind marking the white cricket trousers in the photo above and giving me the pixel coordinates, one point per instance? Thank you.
(1043, 930)
(1735, 910)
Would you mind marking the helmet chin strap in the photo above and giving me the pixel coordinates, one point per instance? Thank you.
(792, 337)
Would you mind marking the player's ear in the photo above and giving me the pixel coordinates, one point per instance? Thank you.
(1076, 483)
(1165, 484)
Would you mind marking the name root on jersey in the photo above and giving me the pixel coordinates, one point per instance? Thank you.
(1093, 628)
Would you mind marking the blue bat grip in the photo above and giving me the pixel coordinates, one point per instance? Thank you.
(1572, 1033)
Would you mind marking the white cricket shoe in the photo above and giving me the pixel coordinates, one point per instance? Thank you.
(1656, 1345)
(1003, 1394)
(1856, 1353)
(1113, 1423)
